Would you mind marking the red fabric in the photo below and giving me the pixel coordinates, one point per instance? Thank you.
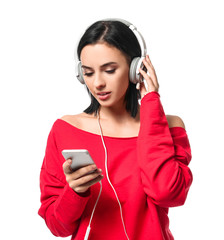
(150, 174)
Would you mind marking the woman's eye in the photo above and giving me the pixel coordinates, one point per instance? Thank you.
(88, 74)
(110, 71)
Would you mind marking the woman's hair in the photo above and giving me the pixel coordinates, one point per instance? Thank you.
(116, 34)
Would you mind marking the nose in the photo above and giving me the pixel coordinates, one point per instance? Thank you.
(99, 82)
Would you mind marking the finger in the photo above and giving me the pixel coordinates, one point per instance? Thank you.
(85, 179)
(76, 178)
(84, 187)
(148, 59)
(74, 175)
(67, 166)
(150, 83)
(142, 89)
(150, 69)
(84, 171)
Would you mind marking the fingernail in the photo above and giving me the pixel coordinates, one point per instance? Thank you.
(69, 161)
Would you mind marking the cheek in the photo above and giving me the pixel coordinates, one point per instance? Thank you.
(125, 79)
(89, 86)
(122, 84)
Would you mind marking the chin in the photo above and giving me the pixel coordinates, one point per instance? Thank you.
(110, 104)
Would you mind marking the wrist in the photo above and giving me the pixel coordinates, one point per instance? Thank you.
(151, 93)
(83, 194)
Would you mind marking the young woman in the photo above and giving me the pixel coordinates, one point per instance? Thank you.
(141, 155)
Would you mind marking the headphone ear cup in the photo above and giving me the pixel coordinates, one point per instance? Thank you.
(134, 74)
(79, 73)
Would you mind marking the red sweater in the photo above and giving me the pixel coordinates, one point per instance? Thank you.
(150, 174)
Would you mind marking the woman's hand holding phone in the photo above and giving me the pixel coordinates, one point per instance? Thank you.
(83, 178)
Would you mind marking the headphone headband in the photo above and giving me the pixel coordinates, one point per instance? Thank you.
(136, 63)
(138, 35)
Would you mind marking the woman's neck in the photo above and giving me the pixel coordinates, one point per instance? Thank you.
(116, 115)
(118, 123)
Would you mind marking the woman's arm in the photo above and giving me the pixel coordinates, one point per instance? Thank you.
(61, 207)
(163, 155)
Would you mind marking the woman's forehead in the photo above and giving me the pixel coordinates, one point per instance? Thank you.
(101, 53)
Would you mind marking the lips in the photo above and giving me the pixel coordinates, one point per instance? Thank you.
(103, 95)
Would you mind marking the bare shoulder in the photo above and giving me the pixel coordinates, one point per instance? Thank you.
(80, 120)
(71, 118)
(175, 121)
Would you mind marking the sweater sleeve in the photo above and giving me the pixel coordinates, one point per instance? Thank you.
(61, 207)
(163, 155)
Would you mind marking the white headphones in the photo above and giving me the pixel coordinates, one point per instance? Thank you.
(134, 75)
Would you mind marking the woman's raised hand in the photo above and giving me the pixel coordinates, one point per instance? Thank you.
(150, 78)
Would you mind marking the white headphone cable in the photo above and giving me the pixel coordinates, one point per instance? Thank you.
(89, 228)
(107, 175)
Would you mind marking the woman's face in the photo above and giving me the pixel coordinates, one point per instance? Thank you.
(106, 73)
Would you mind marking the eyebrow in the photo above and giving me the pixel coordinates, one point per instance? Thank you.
(102, 66)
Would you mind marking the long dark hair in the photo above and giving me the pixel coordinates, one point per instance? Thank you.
(120, 36)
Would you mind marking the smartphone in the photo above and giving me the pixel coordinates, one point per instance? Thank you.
(80, 158)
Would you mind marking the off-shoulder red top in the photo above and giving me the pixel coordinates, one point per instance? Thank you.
(150, 173)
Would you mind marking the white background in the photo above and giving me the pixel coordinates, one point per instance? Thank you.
(38, 85)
